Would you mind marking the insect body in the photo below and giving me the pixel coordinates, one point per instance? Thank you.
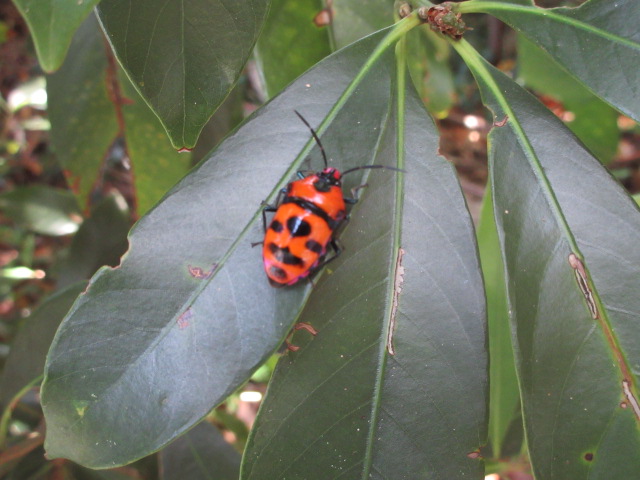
(296, 242)
(308, 213)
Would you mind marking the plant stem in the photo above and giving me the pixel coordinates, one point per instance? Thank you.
(6, 415)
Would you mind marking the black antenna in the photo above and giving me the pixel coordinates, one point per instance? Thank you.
(372, 166)
(315, 136)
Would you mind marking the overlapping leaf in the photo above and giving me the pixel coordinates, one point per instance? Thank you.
(52, 24)
(200, 454)
(90, 107)
(290, 42)
(30, 346)
(188, 316)
(592, 120)
(394, 385)
(100, 240)
(504, 394)
(596, 42)
(354, 19)
(42, 209)
(569, 236)
(183, 57)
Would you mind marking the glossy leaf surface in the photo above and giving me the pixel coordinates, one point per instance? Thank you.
(52, 24)
(595, 42)
(344, 406)
(200, 454)
(183, 57)
(188, 316)
(569, 236)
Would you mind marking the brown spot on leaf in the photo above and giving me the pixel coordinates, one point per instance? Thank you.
(197, 272)
(183, 319)
(475, 454)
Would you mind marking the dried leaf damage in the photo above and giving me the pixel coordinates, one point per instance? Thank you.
(397, 287)
(633, 401)
(583, 283)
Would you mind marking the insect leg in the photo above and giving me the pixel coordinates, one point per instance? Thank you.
(271, 209)
(337, 250)
(354, 194)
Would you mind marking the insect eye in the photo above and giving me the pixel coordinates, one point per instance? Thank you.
(322, 185)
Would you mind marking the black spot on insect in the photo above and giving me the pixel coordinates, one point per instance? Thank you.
(277, 272)
(284, 255)
(322, 185)
(588, 456)
(314, 246)
(276, 226)
(298, 227)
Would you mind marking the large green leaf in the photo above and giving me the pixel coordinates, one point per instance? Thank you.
(52, 24)
(188, 316)
(394, 385)
(598, 43)
(202, 453)
(183, 57)
(289, 28)
(504, 394)
(88, 116)
(29, 348)
(569, 236)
